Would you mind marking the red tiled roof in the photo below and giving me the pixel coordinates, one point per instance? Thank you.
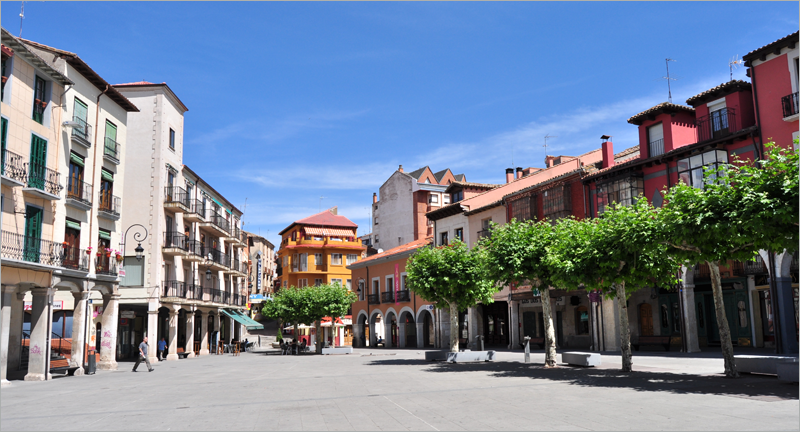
(137, 83)
(717, 92)
(323, 218)
(416, 244)
(663, 107)
(786, 41)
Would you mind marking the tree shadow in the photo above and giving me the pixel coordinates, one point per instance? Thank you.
(759, 387)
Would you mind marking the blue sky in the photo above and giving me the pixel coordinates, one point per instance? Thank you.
(292, 101)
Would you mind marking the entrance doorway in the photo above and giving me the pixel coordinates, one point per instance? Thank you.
(495, 323)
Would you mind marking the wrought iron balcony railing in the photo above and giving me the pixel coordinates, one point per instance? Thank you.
(174, 288)
(106, 264)
(43, 178)
(82, 132)
(175, 240)
(718, 124)
(484, 234)
(387, 297)
(757, 267)
(196, 206)
(75, 258)
(176, 194)
(790, 105)
(31, 249)
(111, 149)
(13, 166)
(373, 299)
(404, 296)
(194, 247)
(219, 220)
(79, 191)
(109, 204)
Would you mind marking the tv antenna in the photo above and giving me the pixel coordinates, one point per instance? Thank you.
(21, 17)
(668, 78)
(734, 64)
(545, 143)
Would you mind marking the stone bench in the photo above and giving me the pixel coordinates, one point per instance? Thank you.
(337, 350)
(581, 358)
(761, 364)
(470, 356)
(788, 372)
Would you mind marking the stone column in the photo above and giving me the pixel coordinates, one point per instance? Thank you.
(513, 321)
(9, 292)
(108, 345)
(40, 326)
(190, 332)
(217, 326)
(79, 330)
(204, 333)
(689, 311)
(401, 333)
(15, 331)
(610, 314)
(419, 320)
(173, 332)
(152, 336)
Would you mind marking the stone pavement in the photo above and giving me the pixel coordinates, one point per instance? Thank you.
(385, 389)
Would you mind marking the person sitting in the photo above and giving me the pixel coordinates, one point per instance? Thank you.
(380, 341)
(294, 346)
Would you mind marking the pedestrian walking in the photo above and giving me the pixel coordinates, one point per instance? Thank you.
(143, 356)
(162, 345)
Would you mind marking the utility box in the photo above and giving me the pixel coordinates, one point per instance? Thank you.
(91, 367)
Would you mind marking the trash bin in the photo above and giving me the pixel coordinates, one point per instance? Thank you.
(91, 368)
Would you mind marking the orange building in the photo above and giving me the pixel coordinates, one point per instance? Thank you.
(317, 250)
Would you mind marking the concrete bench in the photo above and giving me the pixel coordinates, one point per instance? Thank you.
(581, 358)
(761, 364)
(337, 350)
(788, 372)
(470, 356)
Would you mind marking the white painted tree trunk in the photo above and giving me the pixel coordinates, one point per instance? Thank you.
(624, 329)
(549, 332)
(722, 321)
(453, 327)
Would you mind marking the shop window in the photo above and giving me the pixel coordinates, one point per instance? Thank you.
(582, 320)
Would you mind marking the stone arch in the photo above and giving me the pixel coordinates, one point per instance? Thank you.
(359, 337)
(103, 288)
(388, 328)
(407, 331)
(376, 328)
(426, 327)
(68, 283)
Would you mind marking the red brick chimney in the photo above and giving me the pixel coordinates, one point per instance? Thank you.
(519, 172)
(608, 151)
(509, 175)
(549, 161)
(374, 197)
(400, 169)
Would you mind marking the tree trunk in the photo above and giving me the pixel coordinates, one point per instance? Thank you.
(722, 321)
(624, 329)
(318, 328)
(549, 332)
(453, 327)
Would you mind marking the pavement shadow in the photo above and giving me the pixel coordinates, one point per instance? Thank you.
(759, 387)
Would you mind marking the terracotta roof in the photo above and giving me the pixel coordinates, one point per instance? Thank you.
(789, 41)
(325, 218)
(664, 107)
(464, 184)
(137, 83)
(718, 92)
(19, 48)
(626, 152)
(84, 69)
(404, 248)
(149, 84)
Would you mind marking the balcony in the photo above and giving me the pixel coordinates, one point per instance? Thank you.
(195, 212)
(176, 198)
(387, 297)
(82, 134)
(790, 107)
(111, 151)
(219, 260)
(33, 250)
(42, 182)
(109, 206)
(655, 148)
(373, 299)
(79, 194)
(75, 258)
(217, 223)
(757, 267)
(195, 291)
(175, 244)
(716, 125)
(404, 296)
(13, 169)
(175, 289)
(106, 265)
(194, 250)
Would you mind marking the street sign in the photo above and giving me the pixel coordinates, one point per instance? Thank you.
(57, 305)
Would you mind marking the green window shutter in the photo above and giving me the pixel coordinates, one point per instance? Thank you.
(106, 175)
(76, 159)
(111, 130)
(74, 225)
(33, 233)
(81, 111)
(105, 235)
(36, 174)
(134, 272)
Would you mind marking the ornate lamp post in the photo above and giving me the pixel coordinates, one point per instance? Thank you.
(137, 237)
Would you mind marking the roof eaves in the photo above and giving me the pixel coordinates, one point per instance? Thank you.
(164, 85)
(20, 49)
(718, 91)
(789, 41)
(663, 107)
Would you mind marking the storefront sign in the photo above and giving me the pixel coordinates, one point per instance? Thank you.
(560, 301)
(123, 322)
(57, 305)
(127, 314)
(256, 297)
(258, 273)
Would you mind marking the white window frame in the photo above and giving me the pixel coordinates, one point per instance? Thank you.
(333, 259)
(302, 283)
(389, 286)
(716, 105)
(372, 288)
(433, 198)
(403, 281)
(354, 260)
(318, 259)
(340, 281)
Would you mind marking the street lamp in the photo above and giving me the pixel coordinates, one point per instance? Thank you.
(137, 237)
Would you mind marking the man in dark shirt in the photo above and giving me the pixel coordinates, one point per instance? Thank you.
(143, 356)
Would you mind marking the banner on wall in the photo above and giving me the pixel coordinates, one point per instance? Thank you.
(396, 283)
(258, 272)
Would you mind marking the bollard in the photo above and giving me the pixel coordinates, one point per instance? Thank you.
(482, 343)
(527, 349)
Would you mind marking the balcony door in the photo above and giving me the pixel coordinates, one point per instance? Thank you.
(106, 190)
(72, 238)
(38, 165)
(33, 233)
(74, 188)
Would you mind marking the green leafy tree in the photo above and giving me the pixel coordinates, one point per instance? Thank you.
(283, 308)
(450, 275)
(516, 253)
(617, 254)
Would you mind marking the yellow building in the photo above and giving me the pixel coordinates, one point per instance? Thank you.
(317, 250)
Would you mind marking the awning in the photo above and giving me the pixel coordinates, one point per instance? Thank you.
(241, 319)
(76, 159)
(253, 323)
(106, 175)
(105, 235)
(74, 225)
(332, 232)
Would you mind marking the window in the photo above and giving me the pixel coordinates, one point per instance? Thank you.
(317, 282)
(37, 172)
(403, 282)
(457, 196)
(623, 191)
(557, 202)
(5, 76)
(336, 281)
(581, 320)
(336, 259)
(4, 137)
(434, 198)
(351, 258)
(171, 139)
(458, 233)
(389, 284)
(362, 290)
(376, 239)
(349, 284)
(40, 101)
(446, 198)
(375, 219)
(690, 170)
(376, 286)
(303, 262)
(134, 272)
(75, 189)
(33, 233)
(294, 262)
(112, 147)
(302, 283)
(80, 112)
(523, 209)
(655, 140)
(285, 284)
(443, 240)
(318, 259)
(106, 190)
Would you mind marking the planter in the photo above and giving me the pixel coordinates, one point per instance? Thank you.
(119, 258)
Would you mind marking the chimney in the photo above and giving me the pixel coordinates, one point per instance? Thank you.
(509, 175)
(374, 198)
(519, 172)
(608, 151)
(549, 161)
(400, 169)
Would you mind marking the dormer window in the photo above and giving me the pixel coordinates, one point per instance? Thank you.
(655, 140)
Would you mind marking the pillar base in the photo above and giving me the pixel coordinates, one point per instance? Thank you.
(204, 352)
(107, 365)
(153, 360)
(191, 355)
(34, 377)
(79, 372)
(5, 383)
(171, 357)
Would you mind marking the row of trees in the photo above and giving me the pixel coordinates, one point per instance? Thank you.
(741, 209)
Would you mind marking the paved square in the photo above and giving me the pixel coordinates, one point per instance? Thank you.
(398, 390)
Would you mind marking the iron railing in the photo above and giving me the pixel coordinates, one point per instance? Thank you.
(373, 299)
(702, 272)
(31, 249)
(790, 105)
(79, 191)
(217, 256)
(43, 178)
(84, 131)
(109, 204)
(174, 288)
(197, 291)
(176, 194)
(655, 148)
(219, 220)
(175, 240)
(404, 296)
(717, 124)
(194, 247)
(484, 234)
(387, 297)
(757, 267)
(111, 148)
(75, 258)
(196, 206)
(13, 166)
(106, 264)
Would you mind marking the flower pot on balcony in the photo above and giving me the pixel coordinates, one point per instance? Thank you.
(119, 258)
